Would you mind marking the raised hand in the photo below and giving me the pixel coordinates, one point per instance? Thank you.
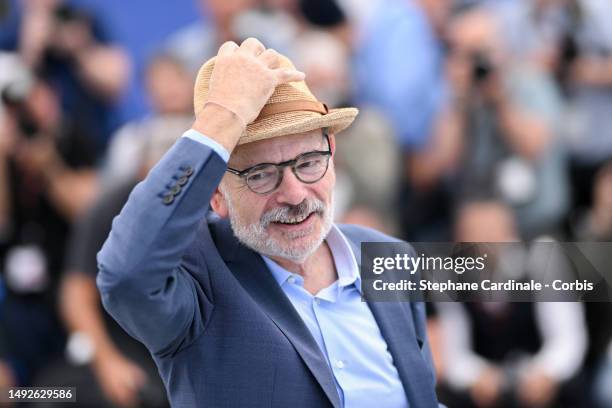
(243, 79)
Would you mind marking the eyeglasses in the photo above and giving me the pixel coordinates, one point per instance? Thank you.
(308, 167)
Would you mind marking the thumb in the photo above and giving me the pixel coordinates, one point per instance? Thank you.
(285, 75)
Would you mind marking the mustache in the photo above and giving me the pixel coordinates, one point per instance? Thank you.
(292, 213)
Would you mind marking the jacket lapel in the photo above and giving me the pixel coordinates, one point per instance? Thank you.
(399, 334)
(252, 273)
(393, 318)
(395, 321)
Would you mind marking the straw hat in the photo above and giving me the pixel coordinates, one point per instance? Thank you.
(291, 109)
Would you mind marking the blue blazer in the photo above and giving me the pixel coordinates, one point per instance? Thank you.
(219, 327)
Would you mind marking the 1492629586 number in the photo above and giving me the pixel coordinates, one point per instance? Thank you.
(65, 394)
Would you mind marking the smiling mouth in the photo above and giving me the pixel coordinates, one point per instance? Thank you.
(295, 221)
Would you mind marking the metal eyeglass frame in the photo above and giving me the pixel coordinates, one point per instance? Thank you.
(281, 166)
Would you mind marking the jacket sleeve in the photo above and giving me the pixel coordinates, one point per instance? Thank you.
(140, 279)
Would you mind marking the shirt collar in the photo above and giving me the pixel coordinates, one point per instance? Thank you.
(344, 260)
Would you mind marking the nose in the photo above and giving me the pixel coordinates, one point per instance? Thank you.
(291, 190)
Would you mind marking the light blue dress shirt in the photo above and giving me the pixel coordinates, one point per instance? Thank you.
(341, 323)
(198, 137)
(346, 331)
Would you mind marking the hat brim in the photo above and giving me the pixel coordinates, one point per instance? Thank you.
(289, 123)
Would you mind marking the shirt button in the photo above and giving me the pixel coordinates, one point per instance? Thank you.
(340, 364)
(317, 301)
(291, 279)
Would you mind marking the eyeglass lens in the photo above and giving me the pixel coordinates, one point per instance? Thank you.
(308, 168)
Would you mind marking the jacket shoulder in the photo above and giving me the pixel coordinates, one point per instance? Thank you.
(358, 234)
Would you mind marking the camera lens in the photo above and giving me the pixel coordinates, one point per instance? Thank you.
(482, 67)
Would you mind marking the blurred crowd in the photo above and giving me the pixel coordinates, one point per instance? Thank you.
(484, 120)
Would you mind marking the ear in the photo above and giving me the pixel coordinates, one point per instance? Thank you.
(332, 143)
(218, 204)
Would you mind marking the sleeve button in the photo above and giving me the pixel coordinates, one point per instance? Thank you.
(168, 199)
(188, 171)
(182, 181)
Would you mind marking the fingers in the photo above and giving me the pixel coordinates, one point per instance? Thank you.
(270, 58)
(285, 75)
(252, 46)
(228, 47)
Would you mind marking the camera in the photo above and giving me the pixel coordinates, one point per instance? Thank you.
(482, 67)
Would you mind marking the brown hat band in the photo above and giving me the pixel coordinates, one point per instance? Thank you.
(292, 106)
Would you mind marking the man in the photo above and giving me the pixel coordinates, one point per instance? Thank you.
(261, 305)
(107, 365)
(72, 48)
(47, 179)
(169, 86)
(512, 354)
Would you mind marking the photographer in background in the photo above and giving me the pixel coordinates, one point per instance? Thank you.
(114, 368)
(496, 139)
(584, 68)
(70, 48)
(46, 180)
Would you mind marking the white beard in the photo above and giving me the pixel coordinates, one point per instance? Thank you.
(256, 237)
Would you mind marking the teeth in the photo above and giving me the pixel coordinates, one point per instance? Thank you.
(295, 220)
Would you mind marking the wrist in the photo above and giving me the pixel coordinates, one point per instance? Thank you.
(104, 353)
(220, 124)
